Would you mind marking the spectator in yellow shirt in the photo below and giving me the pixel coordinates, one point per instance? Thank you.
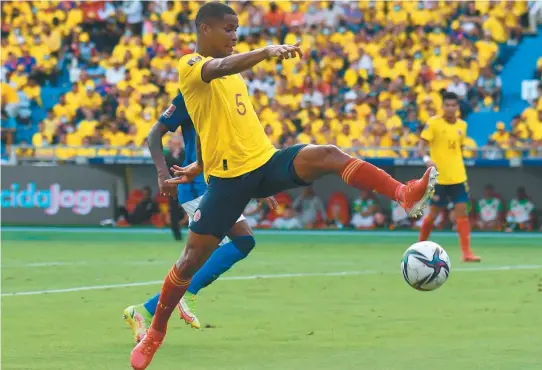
(33, 91)
(501, 136)
(86, 149)
(116, 137)
(469, 148)
(91, 99)
(63, 151)
(487, 49)
(18, 78)
(495, 26)
(63, 109)
(42, 137)
(169, 16)
(51, 38)
(10, 100)
(51, 123)
(344, 138)
(305, 137)
(520, 128)
(88, 125)
(513, 147)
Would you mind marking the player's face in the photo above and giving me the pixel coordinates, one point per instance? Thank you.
(222, 35)
(450, 107)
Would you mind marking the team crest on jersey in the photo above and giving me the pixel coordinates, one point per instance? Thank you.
(169, 111)
(197, 215)
(194, 60)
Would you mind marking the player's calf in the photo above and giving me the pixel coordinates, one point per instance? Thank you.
(315, 161)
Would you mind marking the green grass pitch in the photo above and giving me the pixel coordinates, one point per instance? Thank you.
(329, 301)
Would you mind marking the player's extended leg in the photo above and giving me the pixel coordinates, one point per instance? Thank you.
(315, 161)
(235, 249)
(197, 250)
(220, 207)
(229, 252)
(463, 230)
(428, 222)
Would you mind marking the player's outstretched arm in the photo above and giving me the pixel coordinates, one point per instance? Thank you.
(154, 140)
(233, 64)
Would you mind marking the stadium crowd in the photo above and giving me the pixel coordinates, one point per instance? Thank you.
(372, 74)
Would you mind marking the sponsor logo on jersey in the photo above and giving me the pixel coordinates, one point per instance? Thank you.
(194, 60)
(197, 215)
(169, 112)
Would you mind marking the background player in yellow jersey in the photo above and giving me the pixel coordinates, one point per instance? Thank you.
(444, 135)
(238, 160)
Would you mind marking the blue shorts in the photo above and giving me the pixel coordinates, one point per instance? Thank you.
(444, 194)
(226, 198)
(188, 192)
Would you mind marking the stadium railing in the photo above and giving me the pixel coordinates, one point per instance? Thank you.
(487, 156)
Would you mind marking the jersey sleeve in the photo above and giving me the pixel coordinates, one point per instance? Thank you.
(175, 115)
(189, 69)
(427, 133)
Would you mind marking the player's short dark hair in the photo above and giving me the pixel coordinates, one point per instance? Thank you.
(213, 10)
(450, 96)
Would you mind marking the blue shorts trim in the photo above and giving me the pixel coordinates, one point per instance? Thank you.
(444, 194)
(226, 198)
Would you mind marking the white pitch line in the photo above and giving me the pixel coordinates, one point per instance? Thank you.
(270, 276)
(85, 263)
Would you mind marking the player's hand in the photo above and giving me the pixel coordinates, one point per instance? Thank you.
(431, 164)
(284, 51)
(271, 202)
(185, 175)
(166, 188)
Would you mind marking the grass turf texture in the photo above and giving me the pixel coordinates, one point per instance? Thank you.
(485, 319)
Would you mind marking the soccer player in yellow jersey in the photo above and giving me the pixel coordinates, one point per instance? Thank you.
(444, 136)
(238, 160)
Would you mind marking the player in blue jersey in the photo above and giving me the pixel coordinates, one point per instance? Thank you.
(229, 252)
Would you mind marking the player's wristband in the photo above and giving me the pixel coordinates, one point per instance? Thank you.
(426, 159)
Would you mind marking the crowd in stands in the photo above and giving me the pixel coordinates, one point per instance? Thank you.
(372, 74)
(309, 211)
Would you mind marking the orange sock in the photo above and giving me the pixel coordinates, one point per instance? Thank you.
(463, 229)
(427, 226)
(172, 291)
(363, 175)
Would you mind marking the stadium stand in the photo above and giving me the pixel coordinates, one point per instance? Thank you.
(99, 73)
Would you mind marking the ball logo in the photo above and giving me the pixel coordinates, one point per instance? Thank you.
(80, 202)
(197, 215)
(169, 112)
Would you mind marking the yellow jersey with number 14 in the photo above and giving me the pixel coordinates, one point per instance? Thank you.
(445, 147)
(233, 141)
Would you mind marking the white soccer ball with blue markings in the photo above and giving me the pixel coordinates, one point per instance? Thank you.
(426, 266)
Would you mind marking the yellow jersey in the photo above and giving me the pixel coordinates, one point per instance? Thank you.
(445, 146)
(233, 141)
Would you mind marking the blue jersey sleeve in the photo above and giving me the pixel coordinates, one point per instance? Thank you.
(176, 115)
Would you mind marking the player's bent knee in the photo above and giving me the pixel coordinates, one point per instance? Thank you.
(332, 158)
(244, 244)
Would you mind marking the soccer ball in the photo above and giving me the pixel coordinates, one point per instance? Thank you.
(426, 266)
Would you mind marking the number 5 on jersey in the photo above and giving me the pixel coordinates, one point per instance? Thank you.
(241, 107)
